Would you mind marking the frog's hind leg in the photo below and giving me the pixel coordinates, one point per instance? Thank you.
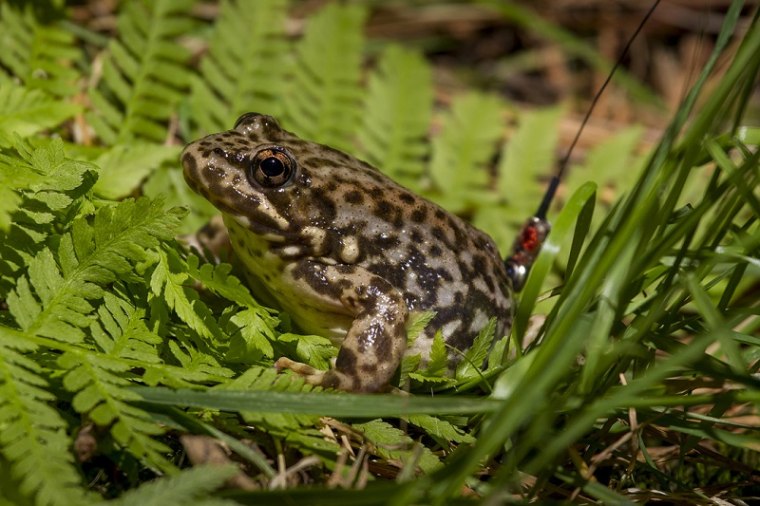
(372, 349)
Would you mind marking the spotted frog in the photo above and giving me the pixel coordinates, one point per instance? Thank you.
(346, 251)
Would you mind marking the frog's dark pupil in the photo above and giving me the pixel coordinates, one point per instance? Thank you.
(272, 166)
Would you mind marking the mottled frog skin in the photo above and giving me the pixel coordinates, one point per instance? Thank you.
(346, 251)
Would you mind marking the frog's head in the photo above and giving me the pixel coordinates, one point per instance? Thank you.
(250, 173)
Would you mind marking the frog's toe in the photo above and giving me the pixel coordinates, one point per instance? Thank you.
(297, 367)
(327, 379)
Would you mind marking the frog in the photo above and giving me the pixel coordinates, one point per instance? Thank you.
(347, 252)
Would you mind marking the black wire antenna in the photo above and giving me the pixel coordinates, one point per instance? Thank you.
(533, 234)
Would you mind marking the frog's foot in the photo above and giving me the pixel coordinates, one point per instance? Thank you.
(312, 376)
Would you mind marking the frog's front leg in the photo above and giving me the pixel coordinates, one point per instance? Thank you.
(375, 342)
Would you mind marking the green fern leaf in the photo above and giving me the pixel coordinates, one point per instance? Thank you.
(144, 73)
(124, 167)
(387, 441)
(466, 144)
(43, 175)
(252, 329)
(294, 430)
(120, 331)
(100, 387)
(474, 357)
(437, 365)
(397, 114)
(55, 302)
(611, 162)
(169, 283)
(41, 55)
(188, 487)
(33, 437)
(442, 431)
(313, 350)
(323, 100)
(25, 111)
(529, 153)
(243, 69)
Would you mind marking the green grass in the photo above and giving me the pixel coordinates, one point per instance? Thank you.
(641, 385)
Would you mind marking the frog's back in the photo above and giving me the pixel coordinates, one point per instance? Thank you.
(438, 261)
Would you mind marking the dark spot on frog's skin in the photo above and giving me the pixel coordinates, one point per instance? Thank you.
(383, 345)
(368, 369)
(435, 251)
(346, 360)
(316, 161)
(489, 283)
(375, 192)
(396, 277)
(205, 144)
(376, 176)
(331, 381)
(440, 214)
(188, 161)
(331, 186)
(324, 205)
(419, 215)
(407, 198)
(386, 242)
(479, 263)
(416, 236)
(458, 297)
(439, 234)
(354, 197)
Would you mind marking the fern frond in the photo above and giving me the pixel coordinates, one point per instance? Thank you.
(388, 440)
(33, 438)
(529, 154)
(188, 487)
(397, 114)
(120, 331)
(124, 167)
(41, 55)
(295, 430)
(144, 72)
(323, 100)
(55, 302)
(466, 144)
(243, 69)
(43, 175)
(252, 328)
(169, 283)
(25, 111)
(101, 393)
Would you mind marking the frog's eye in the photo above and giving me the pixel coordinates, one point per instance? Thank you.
(272, 167)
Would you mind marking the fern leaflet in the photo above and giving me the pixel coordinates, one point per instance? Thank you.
(322, 102)
(463, 149)
(243, 69)
(41, 55)
(397, 114)
(42, 175)
(33, 437)
(101, 393)
(188, 487)
(55, 302)
(25, 112)
(144, 72)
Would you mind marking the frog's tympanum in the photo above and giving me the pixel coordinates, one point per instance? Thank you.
(347, 252)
